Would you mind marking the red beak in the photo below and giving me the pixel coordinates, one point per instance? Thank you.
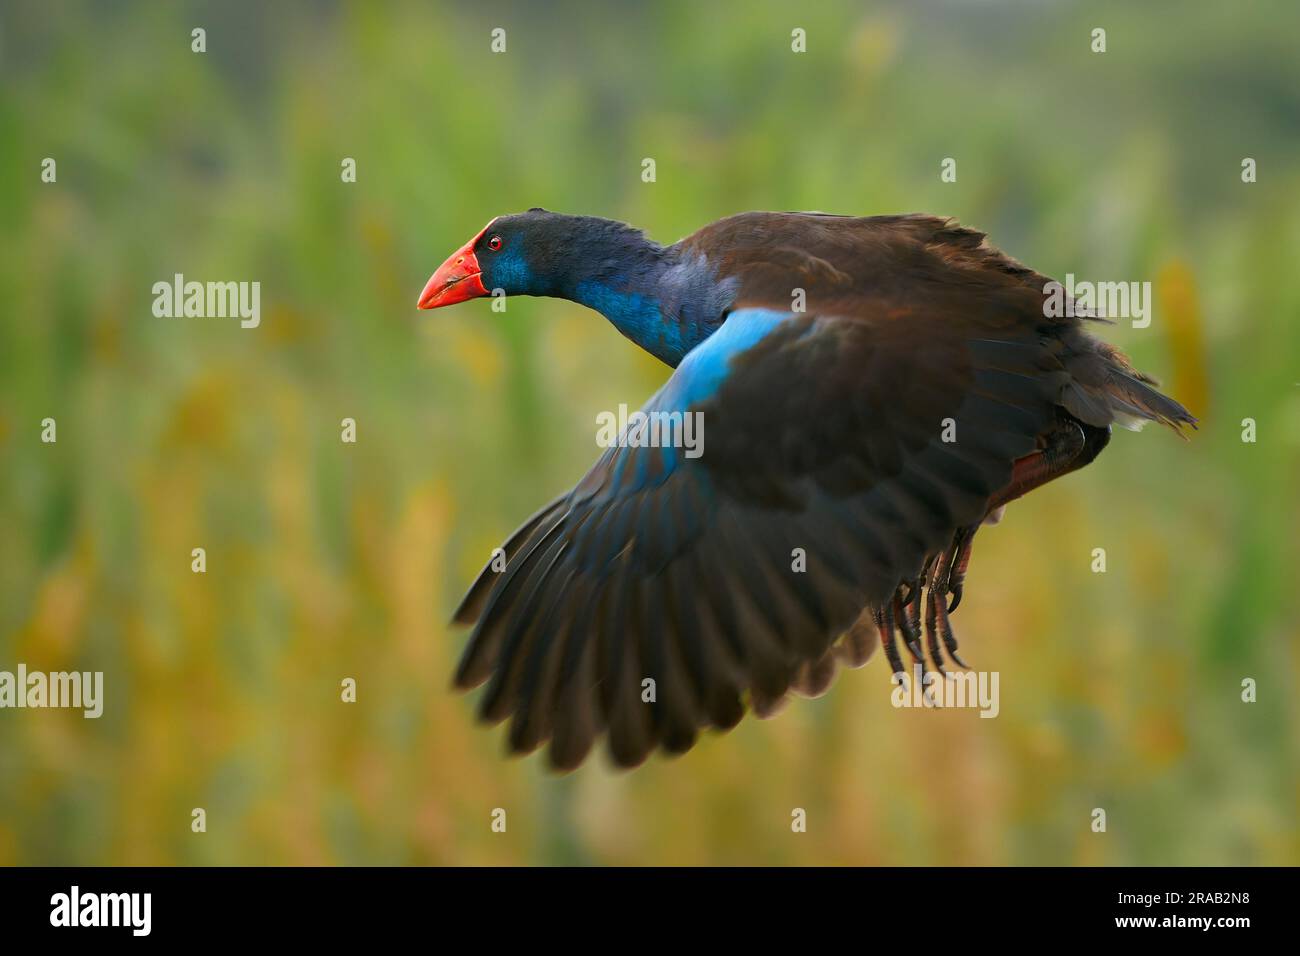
(459, 279)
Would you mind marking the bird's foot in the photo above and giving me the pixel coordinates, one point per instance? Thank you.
(920, 608)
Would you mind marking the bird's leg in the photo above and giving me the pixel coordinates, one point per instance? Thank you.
(914, 604)
(933, 600)
(937, 626)
(906, 625)
(909, 625)
(886, 629)
(915, 609)
(1066, 448)
(1069, 445)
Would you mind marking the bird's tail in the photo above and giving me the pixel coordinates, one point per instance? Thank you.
(1105, 388)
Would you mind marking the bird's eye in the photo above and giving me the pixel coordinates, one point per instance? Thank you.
(494, 243)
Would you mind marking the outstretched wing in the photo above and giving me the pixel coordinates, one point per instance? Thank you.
(860, 442)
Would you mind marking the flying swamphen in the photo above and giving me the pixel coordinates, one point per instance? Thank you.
(922, 386)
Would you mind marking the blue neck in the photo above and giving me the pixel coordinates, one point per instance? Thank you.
(664, 304)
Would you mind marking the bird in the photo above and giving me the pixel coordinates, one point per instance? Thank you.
(875, 390)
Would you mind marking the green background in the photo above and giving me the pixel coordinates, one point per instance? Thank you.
(1119, 690)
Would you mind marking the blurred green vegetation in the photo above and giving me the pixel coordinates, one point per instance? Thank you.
(1119, 690)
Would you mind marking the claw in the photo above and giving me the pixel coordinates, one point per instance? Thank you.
(958, 563)
(906, 625)
(950, 640)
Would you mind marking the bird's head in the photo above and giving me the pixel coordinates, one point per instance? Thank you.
(665, 305)
(527, 253)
